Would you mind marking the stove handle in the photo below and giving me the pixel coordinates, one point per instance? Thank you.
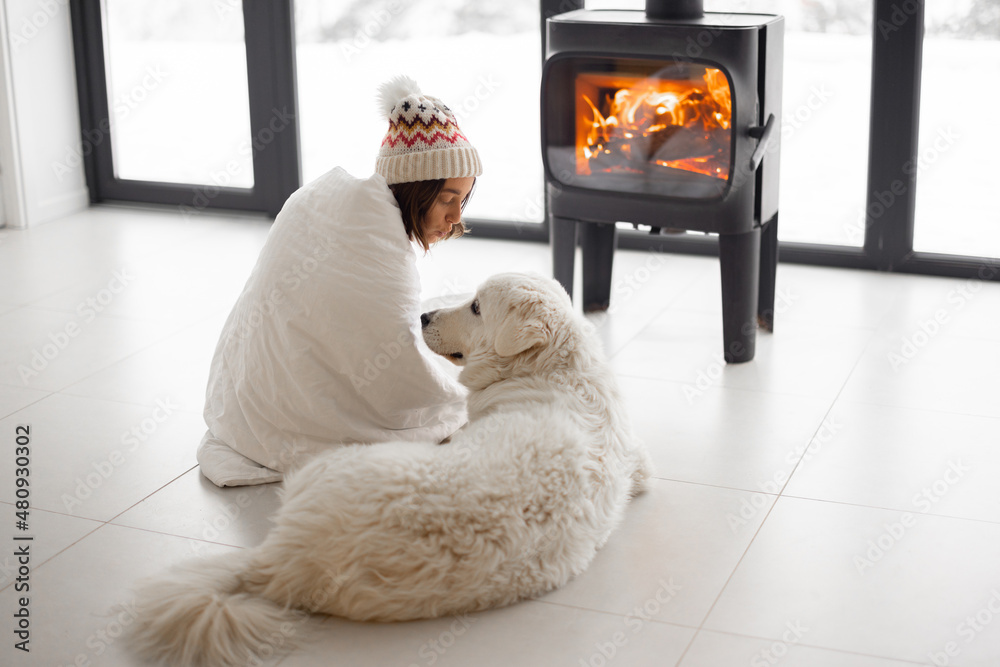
(763, 135)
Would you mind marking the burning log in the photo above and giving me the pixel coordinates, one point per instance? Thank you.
(649, 122)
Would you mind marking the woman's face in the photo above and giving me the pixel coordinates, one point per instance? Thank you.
(447, 209)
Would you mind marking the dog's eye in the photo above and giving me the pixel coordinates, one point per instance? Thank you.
(475, 307)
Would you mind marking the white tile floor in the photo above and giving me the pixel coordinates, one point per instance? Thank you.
(834, 502)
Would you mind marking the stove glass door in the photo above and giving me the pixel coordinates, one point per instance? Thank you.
(643, 126)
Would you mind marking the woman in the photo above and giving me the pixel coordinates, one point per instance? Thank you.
(323, 347)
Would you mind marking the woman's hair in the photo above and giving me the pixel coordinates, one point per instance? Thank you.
(415, 199)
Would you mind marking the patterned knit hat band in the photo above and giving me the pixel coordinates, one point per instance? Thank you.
(429, 165)
(424, 141)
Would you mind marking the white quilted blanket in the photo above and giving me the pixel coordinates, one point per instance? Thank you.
(323, 346)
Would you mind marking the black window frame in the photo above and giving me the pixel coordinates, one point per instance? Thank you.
(270, 57)
(892, 144)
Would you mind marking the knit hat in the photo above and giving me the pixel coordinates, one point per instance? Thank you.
(423, 142)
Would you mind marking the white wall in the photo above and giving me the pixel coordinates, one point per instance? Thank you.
(40, 146)
(12, 213)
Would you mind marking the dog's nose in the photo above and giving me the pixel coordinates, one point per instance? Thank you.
(425, 319)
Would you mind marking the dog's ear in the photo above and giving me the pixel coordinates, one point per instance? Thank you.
(515, 334)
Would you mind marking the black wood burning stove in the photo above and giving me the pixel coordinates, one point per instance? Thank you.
(669, 118)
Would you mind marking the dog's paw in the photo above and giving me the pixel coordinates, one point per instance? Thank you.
(642, 474)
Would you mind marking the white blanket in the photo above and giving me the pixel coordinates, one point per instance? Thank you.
(323, 346)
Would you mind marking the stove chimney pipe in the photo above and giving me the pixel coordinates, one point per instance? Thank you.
(675, 9)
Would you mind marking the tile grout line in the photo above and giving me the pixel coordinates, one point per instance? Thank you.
(106, 523)
(856, 653)
(894, 509)
(183, 537)
(146, 348)
(764, 392)
(658, 314)
(820, 648)
(25, 407)
(151, 494)
(722, 590)
(753, 539)
(102, 369)
(64, 392)
(833, 403)
(61, 551)
(605, 612)
(823, 500)
(66, 311)
(915, 409)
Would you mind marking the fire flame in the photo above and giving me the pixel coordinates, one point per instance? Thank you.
(677, 124)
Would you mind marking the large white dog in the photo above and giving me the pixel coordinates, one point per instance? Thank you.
(513, 506)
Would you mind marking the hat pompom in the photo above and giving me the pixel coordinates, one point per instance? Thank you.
(423, 142)
(393, 90)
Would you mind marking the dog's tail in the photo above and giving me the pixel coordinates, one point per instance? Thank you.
(202, 613)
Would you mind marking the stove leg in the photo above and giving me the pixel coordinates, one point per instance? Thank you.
(598, 242)
(562, 239)
(739, 261)
(768, 271)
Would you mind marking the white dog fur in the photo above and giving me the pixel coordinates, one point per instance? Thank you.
(513, 506)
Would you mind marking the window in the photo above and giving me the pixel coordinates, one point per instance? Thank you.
(178, 134)
(177, 88)
(956, 210)
(483, 59)
(825, 105)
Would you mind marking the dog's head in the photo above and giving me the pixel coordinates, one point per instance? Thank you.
(511, 316)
